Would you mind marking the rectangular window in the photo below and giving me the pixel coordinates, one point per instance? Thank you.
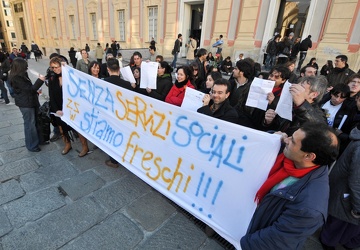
(72, 24)
(13, 36)
(22, 26)
(9, 23)
(18, 7)
(153, 13)
(93, 25)
(121, 21)
(6, 4)
(41, 29)
(55, 30)
(7, 12)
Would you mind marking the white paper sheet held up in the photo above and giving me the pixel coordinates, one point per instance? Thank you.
(258, 93)
(192, 99)
(285, 105)
(127, 74)
(148, 75)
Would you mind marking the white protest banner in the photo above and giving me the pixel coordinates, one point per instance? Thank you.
(258, 92)
(148, 75)
(209, 167)
(192, 99)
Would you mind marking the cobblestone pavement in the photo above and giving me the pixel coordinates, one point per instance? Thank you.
(51, 201)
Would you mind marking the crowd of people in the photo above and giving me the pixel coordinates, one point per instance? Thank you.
(324, 129)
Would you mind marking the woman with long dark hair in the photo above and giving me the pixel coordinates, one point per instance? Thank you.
(56, 104)
(163, 82)
(183, 81)
(26, 98)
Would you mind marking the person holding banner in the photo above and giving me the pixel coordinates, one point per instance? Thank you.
(163, 82)
(26, 98)
(293, 201)
(183, 81)
(217, 104)
(56, 104)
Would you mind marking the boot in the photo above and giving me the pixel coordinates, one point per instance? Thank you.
(84, 146)
(67, 147)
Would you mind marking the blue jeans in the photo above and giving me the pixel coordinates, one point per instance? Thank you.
(11, 90)
(173, 64)
(270, 61)
(30, 128)
(301, 59)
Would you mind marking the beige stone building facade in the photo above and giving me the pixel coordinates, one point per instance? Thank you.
(7, 29)
(246, 25)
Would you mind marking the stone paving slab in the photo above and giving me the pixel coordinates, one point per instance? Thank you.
(5, 124)
(51, 154)
(5, 225)
(177, 233)
(17, 136)
(9, 191)
(81, 185)
(48, 175)
(95, 159)
(16, 154)
(109, 235)
(156, 211)
(34, 205)
(12, 129)
(121, 193)
(13, 169)
(14, 144)
(111, 174)
(4, 139)
(57, 228)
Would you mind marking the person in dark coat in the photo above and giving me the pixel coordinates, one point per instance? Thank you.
(343, 223)
(217, 104)
(163, 82)
(176, 49)
(72, 53)
(26, 98)
(304, 46)
(306, 96)
(293, 201)
(327, 68)
(341, 73)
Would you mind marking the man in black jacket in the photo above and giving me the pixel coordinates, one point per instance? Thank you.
(304, 46)
(176, 50)
(217, 105)
(341, 73)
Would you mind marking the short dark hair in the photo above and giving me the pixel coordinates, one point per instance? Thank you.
(165, 65)
(247, 67)
(152, 47)
(179, 35)
(223, 82)
(113, 64)
(321, 140)
(137, 53)
(201, 52)
(341, 89)
(352, 77)
(303, 69)
(215, 75)
(342, 58)
(160, 57)
(284, 72)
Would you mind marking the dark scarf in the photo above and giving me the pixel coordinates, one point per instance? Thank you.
(282, 169)
(181, 84)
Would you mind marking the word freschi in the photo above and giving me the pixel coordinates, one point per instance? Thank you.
(135, 111)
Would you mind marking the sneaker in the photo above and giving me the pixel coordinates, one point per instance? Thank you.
(55, 137)
(10, 103)
(110, 164)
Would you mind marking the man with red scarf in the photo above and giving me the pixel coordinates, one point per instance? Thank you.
(293, 201)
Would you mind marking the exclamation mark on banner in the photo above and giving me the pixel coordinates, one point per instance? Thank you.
(206, 190)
